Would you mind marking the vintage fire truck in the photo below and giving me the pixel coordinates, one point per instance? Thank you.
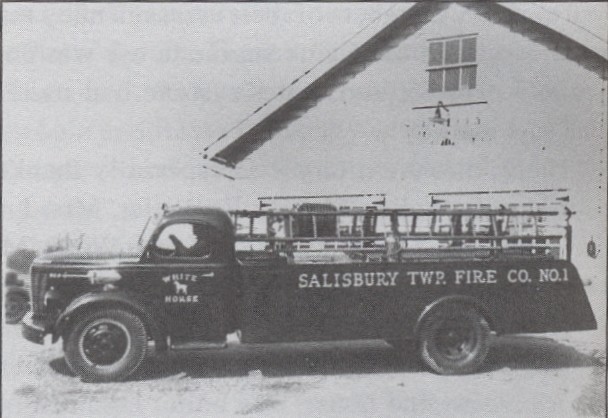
(444, 278)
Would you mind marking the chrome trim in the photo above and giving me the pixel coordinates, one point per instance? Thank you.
(37, 290)
(138, 266)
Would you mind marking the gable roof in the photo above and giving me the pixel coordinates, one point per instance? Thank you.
(575, 45)
(571, 29)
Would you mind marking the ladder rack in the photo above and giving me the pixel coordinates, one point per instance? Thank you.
(371, 234)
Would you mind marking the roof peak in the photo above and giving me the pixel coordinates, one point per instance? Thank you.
(396, 24)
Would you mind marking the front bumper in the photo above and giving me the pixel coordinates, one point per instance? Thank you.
(33, 330)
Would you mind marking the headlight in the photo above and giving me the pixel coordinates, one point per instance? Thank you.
(52, 298)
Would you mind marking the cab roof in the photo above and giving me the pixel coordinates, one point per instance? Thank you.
(215, 217)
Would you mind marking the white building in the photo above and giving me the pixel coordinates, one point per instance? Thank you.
(524, 107)
(103, 123)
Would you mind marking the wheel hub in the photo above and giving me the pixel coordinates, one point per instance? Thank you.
(455, 342)
(105, 343)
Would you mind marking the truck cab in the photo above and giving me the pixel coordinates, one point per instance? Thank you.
(172, 296)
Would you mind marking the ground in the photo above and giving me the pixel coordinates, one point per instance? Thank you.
(549, 375)
(556, 375)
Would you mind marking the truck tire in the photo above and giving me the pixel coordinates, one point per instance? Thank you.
(106, 345)
(454, 339)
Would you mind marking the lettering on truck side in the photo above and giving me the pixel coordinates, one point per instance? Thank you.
(355, 279)
(430, 277)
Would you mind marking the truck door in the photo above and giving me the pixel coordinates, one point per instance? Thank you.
(194, 273)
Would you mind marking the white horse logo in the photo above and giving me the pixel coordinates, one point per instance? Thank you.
(180, 288)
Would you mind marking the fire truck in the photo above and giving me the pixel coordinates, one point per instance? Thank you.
(445, 279)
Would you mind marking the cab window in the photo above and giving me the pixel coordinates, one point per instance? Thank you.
(186, 239)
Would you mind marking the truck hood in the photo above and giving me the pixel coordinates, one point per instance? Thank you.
(90, 257)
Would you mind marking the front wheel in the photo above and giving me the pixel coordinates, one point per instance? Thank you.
(454, 339)
(106, 345)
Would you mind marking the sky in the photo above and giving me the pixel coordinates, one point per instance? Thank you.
(106, 107)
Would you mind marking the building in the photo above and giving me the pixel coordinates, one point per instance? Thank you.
(443, 97)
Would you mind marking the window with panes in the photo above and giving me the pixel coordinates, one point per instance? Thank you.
(452, 64)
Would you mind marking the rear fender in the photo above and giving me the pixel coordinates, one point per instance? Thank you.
(155, 325)
(455, 300)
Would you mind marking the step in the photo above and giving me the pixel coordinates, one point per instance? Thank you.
(198, 345)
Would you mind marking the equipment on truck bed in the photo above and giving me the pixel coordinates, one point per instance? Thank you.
(372, 234)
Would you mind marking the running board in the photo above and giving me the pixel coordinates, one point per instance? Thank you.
(198, 345)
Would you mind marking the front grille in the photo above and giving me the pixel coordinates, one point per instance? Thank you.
(37, 292)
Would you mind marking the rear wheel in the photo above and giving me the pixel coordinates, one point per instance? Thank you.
(454, 339)
(106, 345)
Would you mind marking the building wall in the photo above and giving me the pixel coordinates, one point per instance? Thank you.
(543, 127)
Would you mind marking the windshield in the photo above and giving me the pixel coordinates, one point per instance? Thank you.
(149, 228)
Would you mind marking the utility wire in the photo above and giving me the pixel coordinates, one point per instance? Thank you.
(325, 58)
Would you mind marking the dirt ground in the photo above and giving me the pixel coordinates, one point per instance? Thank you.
(541, 375)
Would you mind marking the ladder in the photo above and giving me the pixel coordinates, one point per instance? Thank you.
(372, 234)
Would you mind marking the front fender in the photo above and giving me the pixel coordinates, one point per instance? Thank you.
(154, 323)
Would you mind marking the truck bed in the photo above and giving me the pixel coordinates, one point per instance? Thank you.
(284, 301)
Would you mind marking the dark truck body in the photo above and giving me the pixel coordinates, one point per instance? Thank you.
(269, 297)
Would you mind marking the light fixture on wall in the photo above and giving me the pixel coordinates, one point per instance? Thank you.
(437, 118)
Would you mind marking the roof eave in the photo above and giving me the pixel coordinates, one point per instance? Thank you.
(389, 37)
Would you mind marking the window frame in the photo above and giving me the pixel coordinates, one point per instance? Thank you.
(467, 70)
(213, 258)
